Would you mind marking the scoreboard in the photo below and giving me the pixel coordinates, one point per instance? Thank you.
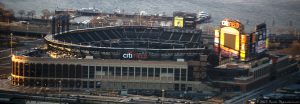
(231, 41)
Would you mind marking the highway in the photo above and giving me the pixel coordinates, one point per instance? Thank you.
(265, 89)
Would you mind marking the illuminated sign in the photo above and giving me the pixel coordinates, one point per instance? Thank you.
(261, 34)
(133, 55)
(231, 41)
(217, 36)
(261, 46)
(231, 23)
(127, 56)
(234, 38)
(178, 22)
(19, 58)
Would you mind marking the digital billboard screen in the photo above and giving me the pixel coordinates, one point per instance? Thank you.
(229, 40)
(178, 21)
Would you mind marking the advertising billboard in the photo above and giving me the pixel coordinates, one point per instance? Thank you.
(178, 21)
(230, 38)
(261, 46)
(231, 41)
(261, 37)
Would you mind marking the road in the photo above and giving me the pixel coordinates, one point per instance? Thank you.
(265, 89)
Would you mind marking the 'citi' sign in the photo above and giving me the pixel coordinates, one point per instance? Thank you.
(133, 55)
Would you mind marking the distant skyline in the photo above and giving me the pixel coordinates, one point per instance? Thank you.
(253, 11)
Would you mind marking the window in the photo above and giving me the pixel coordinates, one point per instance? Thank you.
(39, 69)
(13, 67)
(65, 71)
(118, 71)
(137, 71)
(183, 74)
(177, 74)
(27, 70)
(51, 70)
(144, 72)
(176, 87)
(105, 70)
(58, 71)
(170, 70)
(98, 68)
(124, 71)
(163, 70)
(78, 71)
(190, 74)
(151, 72)
(131, 71)
(72, 71)
(111, 71)
(84, 84)
(45, 70)
(92, 72)
(21, 69)
(85, 71)
(91, 84)
(157, 72)
(182, 87)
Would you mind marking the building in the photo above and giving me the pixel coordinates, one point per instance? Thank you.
(134, 57)
(184, 20)
(232, 42)
(244, 63)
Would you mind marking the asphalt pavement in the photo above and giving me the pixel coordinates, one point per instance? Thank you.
(265, 89)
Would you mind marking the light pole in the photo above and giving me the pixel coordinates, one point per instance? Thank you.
(27, 28)
(11, 52)
(162, 95)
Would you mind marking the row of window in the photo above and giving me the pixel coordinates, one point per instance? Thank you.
(78, 71)
(81, 84)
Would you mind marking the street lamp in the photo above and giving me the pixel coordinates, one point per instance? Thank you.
(162, 95)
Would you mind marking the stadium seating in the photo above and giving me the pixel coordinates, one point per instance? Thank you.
(133, 37)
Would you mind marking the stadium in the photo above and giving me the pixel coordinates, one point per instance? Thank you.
(145, 42)
(115, 57)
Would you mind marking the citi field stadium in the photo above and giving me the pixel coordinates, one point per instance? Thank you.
(134, 57)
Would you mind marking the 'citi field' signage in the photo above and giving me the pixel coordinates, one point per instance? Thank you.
(131, 55)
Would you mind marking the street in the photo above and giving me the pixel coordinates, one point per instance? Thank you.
(265, 89)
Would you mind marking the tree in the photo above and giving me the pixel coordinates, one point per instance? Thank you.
(21, 13)
(31, 13)
(1, 5)
(46, 13)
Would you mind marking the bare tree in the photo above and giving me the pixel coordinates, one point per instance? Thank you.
(8, 15)
(46, 13)
(21, 13)
(31, 13)
(2, 5)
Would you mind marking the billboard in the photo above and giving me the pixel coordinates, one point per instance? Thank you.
(230, 38)
(178, 21)
(261, 37)
(230, 41)
(260, 46)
